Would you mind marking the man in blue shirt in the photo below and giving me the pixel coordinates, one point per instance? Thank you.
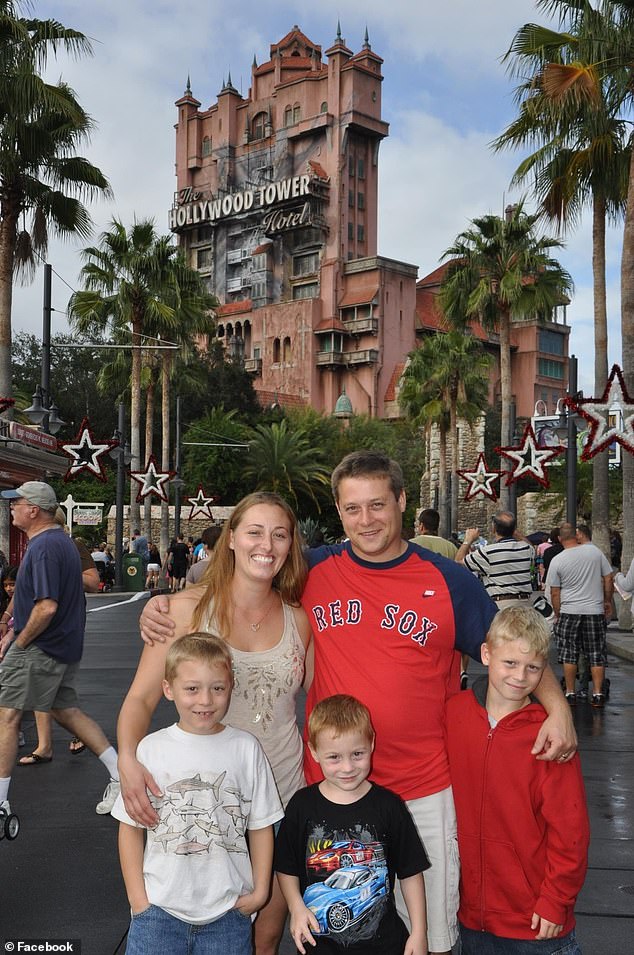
(39, 670)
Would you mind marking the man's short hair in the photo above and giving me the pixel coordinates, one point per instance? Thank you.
(339, 714)
(370, 464)
(520, 623)
(210, 535)
(198, 648)
(504, 523)
(430, 520)
(586, 530)
(567, 532)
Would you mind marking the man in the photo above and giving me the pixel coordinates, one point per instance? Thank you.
(580, 582)
(208, 539)
(388, 618)
(550, 552)
(505, 566)
(428, 524)
(99, 555)
(141, 547)
(40, 668)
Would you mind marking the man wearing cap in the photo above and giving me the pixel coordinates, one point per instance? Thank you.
(40, 668)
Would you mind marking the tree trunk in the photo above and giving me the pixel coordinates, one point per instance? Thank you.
(442, 480)
(138, 464)
(165, 446)
(150, 396)
(7, 250)
(506, 396)
(455, 463)
(600, 463)
(627, 352)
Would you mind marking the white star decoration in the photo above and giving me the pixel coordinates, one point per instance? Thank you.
(480, 480)
(86, 454)
(152, 481)
(596, 411)
(201, 504)
(530, 460)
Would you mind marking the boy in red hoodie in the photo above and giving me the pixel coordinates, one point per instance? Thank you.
(523, 828)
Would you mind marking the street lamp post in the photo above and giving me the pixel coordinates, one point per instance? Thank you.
(568, 422)
(44, 412)
(177, 481)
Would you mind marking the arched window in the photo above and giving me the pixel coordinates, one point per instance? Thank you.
(297, 113)
(287, 349)
(288, 116)
(276, 350)
(324, 107)
(220, 331)
(258, 126)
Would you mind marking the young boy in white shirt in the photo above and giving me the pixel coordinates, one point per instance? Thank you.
(196, 886)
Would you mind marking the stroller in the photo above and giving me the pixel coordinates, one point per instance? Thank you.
(106, 575)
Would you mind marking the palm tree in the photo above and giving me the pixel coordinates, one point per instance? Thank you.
(284, 461)
(446, 378)
(581, 157)
(131, 283)
(499, 270)
(191, 318)
(41, 177)
(596, 48)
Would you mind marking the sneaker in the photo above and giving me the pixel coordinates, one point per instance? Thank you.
(464, 680)
(598, 700)
(111, 792)
(571, 698)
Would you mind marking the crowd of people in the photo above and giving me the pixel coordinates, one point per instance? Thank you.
(360, 829)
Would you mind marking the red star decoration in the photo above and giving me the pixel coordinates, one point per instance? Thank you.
(596, 411)
(480, 480)
(86, 454)
(530, 460)
(152, 481)
(6, 403)
(201, 504)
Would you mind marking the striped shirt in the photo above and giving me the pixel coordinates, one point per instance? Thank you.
(504, 567)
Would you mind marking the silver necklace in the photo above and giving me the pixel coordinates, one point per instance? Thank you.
(258, 623)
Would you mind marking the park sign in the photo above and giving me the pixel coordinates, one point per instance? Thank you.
(88, 516)
(192, 207)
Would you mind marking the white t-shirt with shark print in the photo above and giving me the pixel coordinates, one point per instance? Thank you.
(196, 862)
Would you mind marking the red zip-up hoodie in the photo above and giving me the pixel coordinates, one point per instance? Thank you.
(523, 828)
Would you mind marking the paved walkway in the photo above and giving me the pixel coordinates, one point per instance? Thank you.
(60, 878)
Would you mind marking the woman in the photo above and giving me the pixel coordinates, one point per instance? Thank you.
(250, 597)
(153, 568)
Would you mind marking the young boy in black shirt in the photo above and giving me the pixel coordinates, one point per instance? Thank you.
(343, 843)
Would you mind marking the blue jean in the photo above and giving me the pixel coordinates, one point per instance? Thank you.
(483, 943)
(155, 932)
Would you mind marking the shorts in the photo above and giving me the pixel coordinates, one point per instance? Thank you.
(33, 680)
(435, 819)
(153, 568)
(581, 631)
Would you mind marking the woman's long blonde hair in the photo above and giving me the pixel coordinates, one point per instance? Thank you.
(289, 582)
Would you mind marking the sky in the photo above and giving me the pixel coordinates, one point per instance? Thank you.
(446, 96)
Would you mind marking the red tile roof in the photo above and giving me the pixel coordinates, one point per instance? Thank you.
(267, 398)
(233, 308)
(330, 325)
(361, 296)
(390, 391)
(318, 170)
(294, 34)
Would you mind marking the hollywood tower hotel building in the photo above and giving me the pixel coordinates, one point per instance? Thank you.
(276, 204)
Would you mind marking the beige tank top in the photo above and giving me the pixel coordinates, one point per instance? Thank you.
(266, 684)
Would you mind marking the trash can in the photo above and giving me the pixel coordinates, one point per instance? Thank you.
(133, 573)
